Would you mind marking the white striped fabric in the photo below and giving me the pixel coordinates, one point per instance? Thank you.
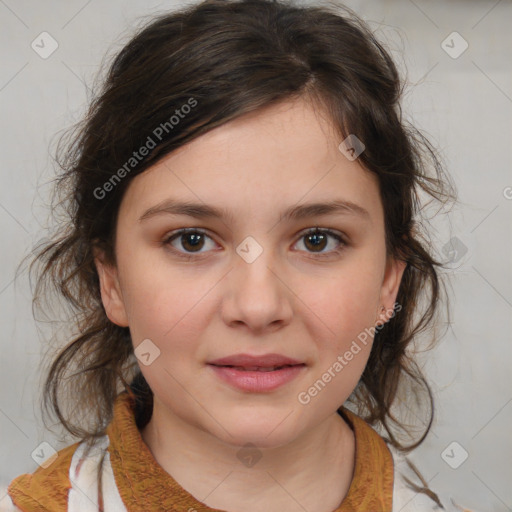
(83, 475)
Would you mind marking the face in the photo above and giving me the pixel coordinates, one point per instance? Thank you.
(268, 274)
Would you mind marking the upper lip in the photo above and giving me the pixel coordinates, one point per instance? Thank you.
(264, 361)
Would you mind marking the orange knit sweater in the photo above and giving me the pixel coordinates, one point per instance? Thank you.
(143, 485)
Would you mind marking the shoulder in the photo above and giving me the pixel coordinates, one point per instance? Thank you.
(405, 486)
(50, 487)
(46, 488)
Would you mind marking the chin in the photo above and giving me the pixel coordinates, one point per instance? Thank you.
(260, 429)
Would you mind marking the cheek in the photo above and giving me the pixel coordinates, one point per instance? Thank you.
(174, 322)
(344, 351)
(161, 300)
(169, 316)
(346, 306)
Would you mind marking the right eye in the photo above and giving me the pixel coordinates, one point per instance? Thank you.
(191, 239)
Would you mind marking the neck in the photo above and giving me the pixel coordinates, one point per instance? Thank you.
(312, 472)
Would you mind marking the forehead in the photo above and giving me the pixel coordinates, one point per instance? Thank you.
(258, 164)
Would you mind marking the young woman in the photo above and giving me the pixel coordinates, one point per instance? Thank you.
(244, 257)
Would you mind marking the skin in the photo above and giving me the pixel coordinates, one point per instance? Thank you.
(292, 300)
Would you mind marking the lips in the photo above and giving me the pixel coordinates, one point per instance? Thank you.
(257, 368)
(257, 374)
(246, 362)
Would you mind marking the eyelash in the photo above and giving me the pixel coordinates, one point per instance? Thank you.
(194, 256)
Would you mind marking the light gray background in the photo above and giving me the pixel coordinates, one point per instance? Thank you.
(463, 104)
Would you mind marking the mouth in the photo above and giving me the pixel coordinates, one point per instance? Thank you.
(258, 368)
(248, 361)
(256, 374)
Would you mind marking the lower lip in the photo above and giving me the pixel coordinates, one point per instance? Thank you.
(256, 381)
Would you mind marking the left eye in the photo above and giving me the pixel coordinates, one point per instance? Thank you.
(318, 239)
(193, 240)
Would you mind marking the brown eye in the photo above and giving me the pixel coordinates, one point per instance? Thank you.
(316, 240)
(192, 241)
(188, 241)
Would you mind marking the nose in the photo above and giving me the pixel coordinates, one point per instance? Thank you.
(256, 295)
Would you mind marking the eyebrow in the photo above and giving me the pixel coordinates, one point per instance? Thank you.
(203, 211)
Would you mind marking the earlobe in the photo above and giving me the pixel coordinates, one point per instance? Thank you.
(111, 294)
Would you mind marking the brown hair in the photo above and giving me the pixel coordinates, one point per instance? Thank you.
(231, 58)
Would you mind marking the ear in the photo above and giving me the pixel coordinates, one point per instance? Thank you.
(111, 294)
(389, 290)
